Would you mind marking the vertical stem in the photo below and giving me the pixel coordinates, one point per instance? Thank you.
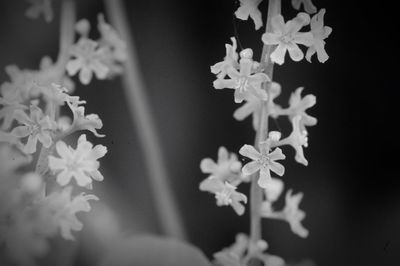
(256, 193)
(134, 87)
(67, 23)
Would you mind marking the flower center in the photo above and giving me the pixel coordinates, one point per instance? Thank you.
(286, 39)
(264, 161)
(242, 84)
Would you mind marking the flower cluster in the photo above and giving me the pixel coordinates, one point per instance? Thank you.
(37, 198)
(252, 84)
(103, 57)
(224, 177)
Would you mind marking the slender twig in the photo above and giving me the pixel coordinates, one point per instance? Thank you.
(139, 108)
(256, 193)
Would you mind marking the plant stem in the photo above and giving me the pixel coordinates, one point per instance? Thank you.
(256, 193)
(68, 18)
(68, 14)
(134, 87)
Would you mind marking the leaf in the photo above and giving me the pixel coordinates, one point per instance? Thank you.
(152, 251)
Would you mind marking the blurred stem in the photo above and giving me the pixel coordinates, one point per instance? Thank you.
(140, 110)
(256, 193)
(67, 29)
(67, 23)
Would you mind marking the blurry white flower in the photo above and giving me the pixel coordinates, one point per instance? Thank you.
(225, 193)
(87, 60)
(293, 215)
(243, 82)
(39, 7)
(227, 167)
(320, 32)
(36, 127)
(307, 4)
(80, 163)
(249, 8)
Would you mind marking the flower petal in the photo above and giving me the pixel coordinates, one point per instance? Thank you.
(250, 152)
(250, 168)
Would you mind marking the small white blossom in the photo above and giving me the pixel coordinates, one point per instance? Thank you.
(293, 214)
(243, 82)
(227, 167)
(225, 193)
(60, 209)
(230, 60)
(299, 105)
(39, 7)
(298, 139)
(273, 189)
(320, 32)
(287, 36)
(307, 4)
(263, 161)
(87, 60)
(80, 164)
(249, 8)
(36, 127)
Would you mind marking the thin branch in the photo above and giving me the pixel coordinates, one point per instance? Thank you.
(140, 111)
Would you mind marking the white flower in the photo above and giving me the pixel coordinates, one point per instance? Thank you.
(307, 4)
(60, 209)
(297, 139)
(111, 38)
(320, 32)
(299, 105)
(227, 167)
(225, 193)
(273, 189)
(287, 36)
(263, 161)
(87, 60)
(39, 7)
(36, 127)
(80, 163)
(293, 215)
(230, 60)
(244, 82)
(249, 8)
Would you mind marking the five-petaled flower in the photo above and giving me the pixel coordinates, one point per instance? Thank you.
(80, 163)
(244, 82)
(293, 215)
(249, 8)
(227, 167)
(36, 127)
(320, 32)
(263, 161)
(87, 59)
(287, 36)
(225, 193)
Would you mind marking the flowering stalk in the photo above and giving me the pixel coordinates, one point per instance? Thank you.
(67, 23)
(256, 193)
(140, 112)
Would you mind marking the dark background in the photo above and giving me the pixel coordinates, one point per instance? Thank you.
(351, 184)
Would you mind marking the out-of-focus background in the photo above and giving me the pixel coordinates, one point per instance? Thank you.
(351, 185)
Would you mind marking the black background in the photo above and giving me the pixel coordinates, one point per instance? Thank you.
(351, 184)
